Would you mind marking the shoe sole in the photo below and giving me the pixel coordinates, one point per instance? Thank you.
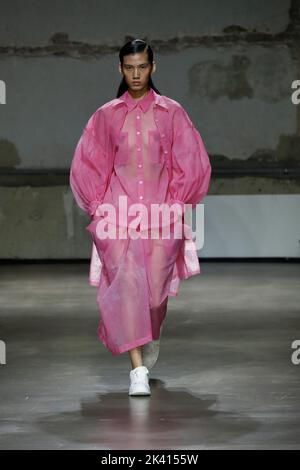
(135, 394)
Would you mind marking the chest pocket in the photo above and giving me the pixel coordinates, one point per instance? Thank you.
(154, 146)
(122, 149)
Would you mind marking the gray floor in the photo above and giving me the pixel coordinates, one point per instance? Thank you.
(224, 378)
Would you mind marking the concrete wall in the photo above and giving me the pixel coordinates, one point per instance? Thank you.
(231, 65)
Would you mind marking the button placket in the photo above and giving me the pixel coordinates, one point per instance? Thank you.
(139, 154)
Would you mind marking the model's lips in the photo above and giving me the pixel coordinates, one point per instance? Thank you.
(136, 83)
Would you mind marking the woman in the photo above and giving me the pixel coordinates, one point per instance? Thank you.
(139, 151)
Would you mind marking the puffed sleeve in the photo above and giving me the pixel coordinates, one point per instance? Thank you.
(91, 166)
(191, 169)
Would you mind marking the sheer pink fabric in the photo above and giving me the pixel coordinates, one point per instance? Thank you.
(147, 151)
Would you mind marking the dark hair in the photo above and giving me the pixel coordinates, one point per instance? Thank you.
(132, 47)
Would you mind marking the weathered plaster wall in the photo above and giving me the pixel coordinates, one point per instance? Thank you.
(230, 64)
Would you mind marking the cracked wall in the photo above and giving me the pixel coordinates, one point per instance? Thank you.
(231, 66)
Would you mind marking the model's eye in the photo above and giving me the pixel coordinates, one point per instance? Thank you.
(140, 67)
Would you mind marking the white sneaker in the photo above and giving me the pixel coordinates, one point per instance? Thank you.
(139, 381)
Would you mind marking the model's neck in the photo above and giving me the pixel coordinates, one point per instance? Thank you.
(139, 94)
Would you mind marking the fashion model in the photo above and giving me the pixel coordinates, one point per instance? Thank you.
(137, 152)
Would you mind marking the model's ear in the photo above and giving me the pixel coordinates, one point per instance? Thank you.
(153, 67)
(120, 68)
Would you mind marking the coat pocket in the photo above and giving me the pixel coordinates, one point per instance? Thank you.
(101, 242)
(154, 146)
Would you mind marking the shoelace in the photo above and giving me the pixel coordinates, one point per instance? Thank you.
(136, 376)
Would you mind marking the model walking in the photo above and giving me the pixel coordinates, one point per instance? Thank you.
(138, 150)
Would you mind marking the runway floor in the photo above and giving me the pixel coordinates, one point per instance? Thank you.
(224, 378)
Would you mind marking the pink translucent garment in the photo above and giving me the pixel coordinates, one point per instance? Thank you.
(151, 153)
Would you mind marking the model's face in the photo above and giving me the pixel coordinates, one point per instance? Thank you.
(137, 70)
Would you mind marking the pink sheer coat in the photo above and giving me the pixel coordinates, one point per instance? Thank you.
(148, 151)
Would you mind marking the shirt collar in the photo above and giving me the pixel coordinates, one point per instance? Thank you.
(144, 102)
(158, 99)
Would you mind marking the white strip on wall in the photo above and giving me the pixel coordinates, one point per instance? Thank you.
(251, 226)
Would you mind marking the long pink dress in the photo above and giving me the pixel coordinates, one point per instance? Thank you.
(135, 164)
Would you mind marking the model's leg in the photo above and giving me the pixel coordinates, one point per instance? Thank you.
(135, 357)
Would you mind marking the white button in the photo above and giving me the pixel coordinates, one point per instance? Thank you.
(140, 166)
(138, 132)
(141, 197)
(138, 117)
(140, 181)
(165, 151)
(139, 149)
